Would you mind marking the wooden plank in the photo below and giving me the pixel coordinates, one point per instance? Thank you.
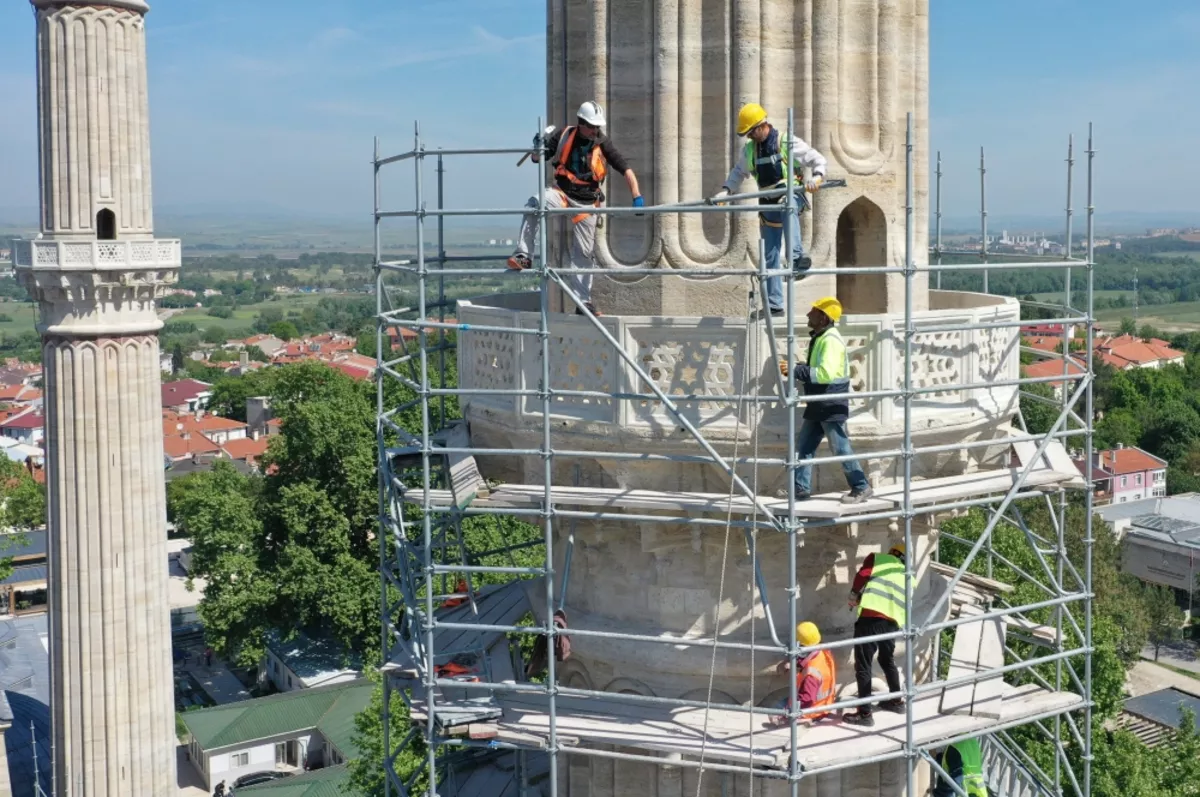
(466, 482)
(969, 485)
(828, 743)
(980, 582)
(978, 648)
(821, 506)
(1055, 457)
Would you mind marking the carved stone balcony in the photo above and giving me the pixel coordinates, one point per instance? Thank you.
(715, 357)
(150, 254)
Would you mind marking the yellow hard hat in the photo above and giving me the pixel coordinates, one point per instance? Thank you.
(807, 634)
(830, 307)
(898, 549)
(750, 117)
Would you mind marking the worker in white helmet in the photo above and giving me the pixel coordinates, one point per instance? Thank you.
(764, 157)
(581, 156)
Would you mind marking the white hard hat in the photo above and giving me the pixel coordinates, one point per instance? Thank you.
(592, 113)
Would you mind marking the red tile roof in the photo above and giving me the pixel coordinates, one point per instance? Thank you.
(1044, 368)
(1126, 351)
(1042, 342)
(177, 446)
(19, 393)
(175, 394)
(246, 448)
(1122, 461)
(28, 420)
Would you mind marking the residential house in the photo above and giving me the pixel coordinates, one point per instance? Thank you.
(20, 395)
(1052, 368)
(304, 662)
(186, 395)
(307, 728)
(1124, 474)
(177, 447)
(1160, 539)
(259, 415)
(1126, 352)
(24, 591)
(246, 449)
(26, 427)
(269, 344)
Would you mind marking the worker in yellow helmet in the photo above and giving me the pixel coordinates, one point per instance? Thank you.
(826, 371)
(816, 675)
(764, 157)
(878, 595)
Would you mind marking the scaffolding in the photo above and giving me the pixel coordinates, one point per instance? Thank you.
(488, 729)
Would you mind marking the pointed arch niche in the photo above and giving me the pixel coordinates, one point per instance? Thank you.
(862, 241)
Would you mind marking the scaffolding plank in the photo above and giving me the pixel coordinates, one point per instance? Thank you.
(978, 648)
(743, 738)
(1054, 457)
(969, 485)
(980, 583)
(820, 506)
(466, 482)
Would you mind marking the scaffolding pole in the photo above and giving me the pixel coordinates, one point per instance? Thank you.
(410, 565)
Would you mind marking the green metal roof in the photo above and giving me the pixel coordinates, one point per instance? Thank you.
(330, 709)
(329, 782)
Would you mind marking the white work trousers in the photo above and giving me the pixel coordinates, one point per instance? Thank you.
(583, 238)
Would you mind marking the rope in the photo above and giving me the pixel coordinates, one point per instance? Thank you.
(712, 664)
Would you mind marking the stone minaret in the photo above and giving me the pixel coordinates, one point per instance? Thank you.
(671, 76)
(95, 272)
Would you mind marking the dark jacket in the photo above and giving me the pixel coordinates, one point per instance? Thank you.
(809, 376)
(577, 161)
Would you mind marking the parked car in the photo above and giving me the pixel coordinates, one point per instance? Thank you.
(255, 778)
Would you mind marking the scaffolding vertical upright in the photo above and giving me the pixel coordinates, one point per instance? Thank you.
(443, 648)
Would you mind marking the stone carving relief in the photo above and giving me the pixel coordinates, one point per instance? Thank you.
(937, 360)
(680, 363)
(580, 360)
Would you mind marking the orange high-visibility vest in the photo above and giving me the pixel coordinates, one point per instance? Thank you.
(822, 668)
(598, 163)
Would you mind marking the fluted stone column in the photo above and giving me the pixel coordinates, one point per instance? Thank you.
(671, 75)
(96, 271)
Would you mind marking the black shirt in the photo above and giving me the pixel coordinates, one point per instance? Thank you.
(579, 164)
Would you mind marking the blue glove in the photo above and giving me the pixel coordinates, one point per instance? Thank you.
(638, 202)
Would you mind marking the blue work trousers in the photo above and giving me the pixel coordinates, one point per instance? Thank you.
(807, 441)
(774, 239)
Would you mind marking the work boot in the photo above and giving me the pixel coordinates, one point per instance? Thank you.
(801, 264)
(801, 495)
(895, 706)
(858, 495)
(518, 262)
(776, 312)
(591, 308)
(859, 718)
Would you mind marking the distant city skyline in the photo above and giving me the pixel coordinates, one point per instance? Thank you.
(273, 105)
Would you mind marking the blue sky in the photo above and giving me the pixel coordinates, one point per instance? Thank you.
(274, 103)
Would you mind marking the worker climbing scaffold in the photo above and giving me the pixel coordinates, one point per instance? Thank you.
(581, 156)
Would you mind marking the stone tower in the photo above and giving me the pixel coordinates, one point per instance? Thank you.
(671, 75)
(95, 272)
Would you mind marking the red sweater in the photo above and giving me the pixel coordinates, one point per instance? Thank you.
(860, 583)
(810, 686)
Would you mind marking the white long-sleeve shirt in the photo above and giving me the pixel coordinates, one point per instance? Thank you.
(802, 156)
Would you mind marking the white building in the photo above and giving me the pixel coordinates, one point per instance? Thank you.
(310, 728)
(307, 663)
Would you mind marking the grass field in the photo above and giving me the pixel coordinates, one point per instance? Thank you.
(22, 316)
(1177, 317)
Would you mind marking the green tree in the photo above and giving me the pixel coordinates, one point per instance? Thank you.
(1128, 326)
(214, 334)
(229, 393)
(178, 360)
(1118, 427)
(22, 507)
(1166, 618)
(284, 330)
(366, 771)
(1039, 416)
(257, 355)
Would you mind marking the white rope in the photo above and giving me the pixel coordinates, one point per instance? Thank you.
(712, 665)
